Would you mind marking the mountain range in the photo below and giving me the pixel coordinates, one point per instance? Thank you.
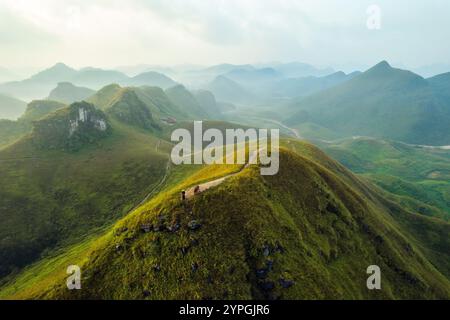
(256, 237)
(66, 92)
(87, 180)
(382, 102)
(40, 84)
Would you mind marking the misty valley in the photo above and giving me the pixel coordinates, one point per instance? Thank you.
(89, 179)
(144, 166)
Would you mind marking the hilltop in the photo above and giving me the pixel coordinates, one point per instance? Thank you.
(128, 108)
(176, 102)
(309, 232)
(151, 78)
(66, 92)
(11, 131)
(70, 128)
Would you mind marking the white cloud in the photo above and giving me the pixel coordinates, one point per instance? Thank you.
(109, 33)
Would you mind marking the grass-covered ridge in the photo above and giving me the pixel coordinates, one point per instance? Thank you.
(382, 102)
(11, 131)
(309, 232)
(59, 185)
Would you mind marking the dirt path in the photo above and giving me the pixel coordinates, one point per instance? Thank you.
(213, 183)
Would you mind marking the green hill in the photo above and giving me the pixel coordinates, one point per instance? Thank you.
(67, 93)
(309, 232)
(78, 170)
(302, 87)
(38, 109)
(414, 173)
(11, 108)
(382, 102)
(70, 128)
(227, 90)
(152, 78)
(97, 78)
(105, 96)
(207, 102)
(176, 102)
(186, 102)
(441, 84)
(128, 108)
(11, 131)
(159, 103)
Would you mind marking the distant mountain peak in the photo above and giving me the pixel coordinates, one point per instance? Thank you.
(58, 72)
(61, 67)
(65, 84)
(383, 65)
(61, 64)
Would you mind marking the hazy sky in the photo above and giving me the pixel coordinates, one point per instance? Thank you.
(110, 33)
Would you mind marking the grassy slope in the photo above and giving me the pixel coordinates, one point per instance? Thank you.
(11, 131)
(175, 102)
(314, 222)
(66, 92)
(381, 102)
(186, 102)
(411, 172)
(53, 197)
(11, 108)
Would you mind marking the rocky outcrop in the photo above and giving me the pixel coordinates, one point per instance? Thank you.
(71, 128)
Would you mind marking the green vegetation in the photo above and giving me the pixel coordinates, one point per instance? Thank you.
(302, 87)
(176, 102)
(77, 171)
(207, 102)
(307, 233)
(159, 103)
(415, 173)
(67, 93)
(382, 102)
(104, 97)
(91, 184)
(152, 78)
(225, 89)
(11, 108)
(185, 100)
(11, 131)
(128, 108)
(70, 128)
(38, 109)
